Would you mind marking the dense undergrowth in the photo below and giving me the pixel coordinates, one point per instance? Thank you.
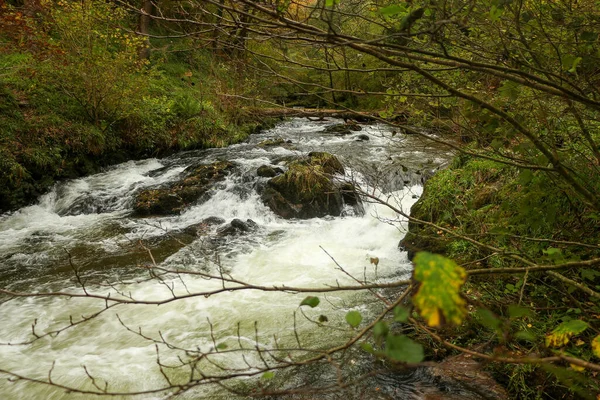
(512, 315)
(76, 96)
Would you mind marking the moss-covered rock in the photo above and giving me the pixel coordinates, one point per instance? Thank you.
(174, 198)
(267, 171)
(308, 188)
(276, 142)
(458, 196)
(328, 162)
(343, 129)
(420, 237)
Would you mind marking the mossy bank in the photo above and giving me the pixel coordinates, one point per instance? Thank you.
(508, 212)
(41, 142)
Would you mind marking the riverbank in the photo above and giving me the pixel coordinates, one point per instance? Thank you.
(48, 135)
(486, 215)
(41, 147)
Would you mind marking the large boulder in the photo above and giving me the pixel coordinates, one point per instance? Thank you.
(308, 188)
(198, 179)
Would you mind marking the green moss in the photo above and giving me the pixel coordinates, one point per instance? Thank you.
(271, 142)
(501, 206)
(306, 180)
(328, 162)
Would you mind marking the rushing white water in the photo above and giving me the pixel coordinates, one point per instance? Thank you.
(86, 223)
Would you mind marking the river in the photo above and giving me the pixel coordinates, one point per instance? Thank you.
(83, 233)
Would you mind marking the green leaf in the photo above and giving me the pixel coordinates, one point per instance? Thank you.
(268, 375)
(525, 335)
(516, 311)
(310, 301)
(552, 251)
(353, 318)
(509, 89)
(497, 144)
(403, 349)
(589, 274)
(221, 346)
(331, 3)
(401, 314)
(438, 298)
(496, 13)
(576, 382)
(393, 9)
(488, 319)
(561, 334)
(576, 62)
(589, 36)
(380, 330)
(367, 347)
(570, 62)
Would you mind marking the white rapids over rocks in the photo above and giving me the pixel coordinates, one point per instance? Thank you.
(89, 218)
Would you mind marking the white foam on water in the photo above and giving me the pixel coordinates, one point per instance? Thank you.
(294, 253)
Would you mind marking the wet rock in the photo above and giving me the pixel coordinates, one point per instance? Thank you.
(461, 377)
(456, 378)
(307, 189)
(237, 226)
(159, 171)
(213, 221)
(275, 142)
(204, 226)
(251, 224)
(266, 171)
(197, 181)
(362, 138)
(343, 129)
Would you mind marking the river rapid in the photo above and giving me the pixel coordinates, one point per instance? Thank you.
(83, 233)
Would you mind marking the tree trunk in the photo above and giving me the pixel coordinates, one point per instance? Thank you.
(144, 27)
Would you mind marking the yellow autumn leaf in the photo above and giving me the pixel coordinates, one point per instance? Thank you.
(576, 368)
(562, 333)
(596, 346)
(438, 298)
